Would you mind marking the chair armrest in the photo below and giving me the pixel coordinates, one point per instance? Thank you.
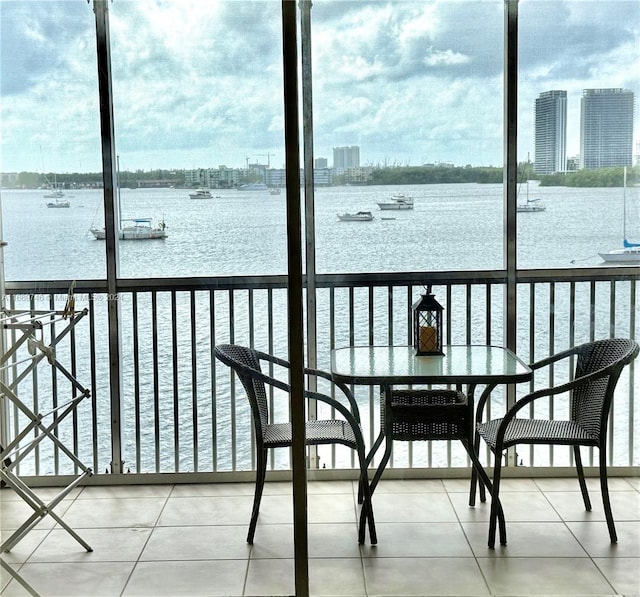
(554, 358)
(352, 418)
(343, 388)
(484, 397)
(318, 373)
(552, 391)
(264, 356)
(353, 415)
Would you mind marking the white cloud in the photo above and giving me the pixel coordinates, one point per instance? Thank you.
(446, 57)
(199, 82)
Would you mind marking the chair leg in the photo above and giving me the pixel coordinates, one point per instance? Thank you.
(581, 480)
(485, 482)
(474, 475)
(366, 513)
(261, 473)
(604, 486)
(382, 465)
(495, 504)
(368, 460)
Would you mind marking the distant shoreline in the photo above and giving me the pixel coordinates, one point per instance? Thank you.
(402, 175)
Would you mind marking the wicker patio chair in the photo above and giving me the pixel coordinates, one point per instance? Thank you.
(268, 435)
(598, 366)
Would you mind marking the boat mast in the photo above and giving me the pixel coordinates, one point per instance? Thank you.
(624, 202)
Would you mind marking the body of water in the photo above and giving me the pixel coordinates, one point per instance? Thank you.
(452, 227)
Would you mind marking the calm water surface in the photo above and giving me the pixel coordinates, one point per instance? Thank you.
(452, 227)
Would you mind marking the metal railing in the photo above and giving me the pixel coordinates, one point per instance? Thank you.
(182, 413)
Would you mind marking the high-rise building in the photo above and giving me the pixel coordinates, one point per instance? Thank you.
(346, 157)
(606, 128)
(551, 132)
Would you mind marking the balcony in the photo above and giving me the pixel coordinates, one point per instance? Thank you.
(177, 511)
(189, 539)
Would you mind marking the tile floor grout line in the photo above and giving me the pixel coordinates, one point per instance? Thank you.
(473, 553)
(153, 528)
(564, 522)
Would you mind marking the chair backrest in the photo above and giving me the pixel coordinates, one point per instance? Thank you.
(591, 402)
(245, 362)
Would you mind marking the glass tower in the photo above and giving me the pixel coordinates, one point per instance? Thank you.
(346, 157)
(606, 128)
(551, 132)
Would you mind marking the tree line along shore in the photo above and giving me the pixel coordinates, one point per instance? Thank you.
(401, 175)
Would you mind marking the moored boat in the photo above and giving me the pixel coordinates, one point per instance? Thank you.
(530, 205)
(133, 228)
(397, 202)
(628, 254)
(54, 194)
(360, 216)
(201, 194)
(630, 251)
(136, 229)
(58, 202)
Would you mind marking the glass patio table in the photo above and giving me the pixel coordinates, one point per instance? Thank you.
(389, 366)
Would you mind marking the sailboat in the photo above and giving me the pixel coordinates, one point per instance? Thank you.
(133, 228)
(531, 205)
(630, 251)
(56, 194)
(57, 201)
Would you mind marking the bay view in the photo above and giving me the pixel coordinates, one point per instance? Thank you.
(180, 412)
(452, 227)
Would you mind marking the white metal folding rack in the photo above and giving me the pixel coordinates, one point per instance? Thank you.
(37, 426)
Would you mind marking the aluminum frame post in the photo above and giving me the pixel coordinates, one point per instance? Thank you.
(510, 182)
(111, 219)
(294, 295)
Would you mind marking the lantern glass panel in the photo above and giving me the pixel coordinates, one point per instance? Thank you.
(427, 333)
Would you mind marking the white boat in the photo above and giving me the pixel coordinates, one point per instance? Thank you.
(274, 191)
(531, 205)
(361, 216)
(58, 202)
(397, 202)
(136, 229)
(630, 252)
(201, 193)
(54, 194)
(133, 228)
(54, 191)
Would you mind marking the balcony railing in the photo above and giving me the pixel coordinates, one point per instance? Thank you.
(180, 412)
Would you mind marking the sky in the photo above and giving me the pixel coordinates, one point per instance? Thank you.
(198, 83)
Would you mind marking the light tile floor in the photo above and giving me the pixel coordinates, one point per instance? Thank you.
(189, 540)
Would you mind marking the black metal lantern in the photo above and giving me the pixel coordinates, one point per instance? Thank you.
(427, 325)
